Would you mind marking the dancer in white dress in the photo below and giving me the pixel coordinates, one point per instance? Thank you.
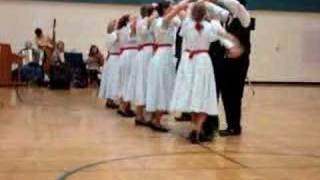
(195, 89)
(109, 88)
(146, 45)
(161, 70)
(128, 49)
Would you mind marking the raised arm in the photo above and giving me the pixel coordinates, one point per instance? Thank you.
(175, 11)
(238, 10)
(217, 12)
(133, 26)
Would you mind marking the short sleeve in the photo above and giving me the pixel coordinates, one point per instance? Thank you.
(176, 22)
(111, 39)
(143, 27)
(184, 27)
(219, 34)
(216, 30)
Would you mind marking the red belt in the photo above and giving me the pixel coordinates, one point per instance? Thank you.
(128, 48)
(113, 54)
(192, 53)
(146, 45)
(157, 46)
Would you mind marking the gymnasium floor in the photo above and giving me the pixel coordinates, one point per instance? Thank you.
(69, 135)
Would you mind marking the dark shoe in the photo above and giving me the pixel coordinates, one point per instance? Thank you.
(185, 117)
(130, 113)
(121, 113)
(111, 105)
(194, 137)
(205, 139)
(159, 128)
(140, 122)
(126, 114)
(230, 132)
(182, 119)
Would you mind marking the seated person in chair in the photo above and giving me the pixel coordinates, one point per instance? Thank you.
(58, 57)
(60, 76)
(31, 71)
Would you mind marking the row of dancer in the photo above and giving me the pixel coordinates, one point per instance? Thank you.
(141, 66)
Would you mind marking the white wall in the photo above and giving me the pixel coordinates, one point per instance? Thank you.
(285, 45)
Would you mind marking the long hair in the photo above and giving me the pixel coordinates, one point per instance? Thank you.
(150, 10)
(198, 13)
(162, 7)
(91, 53)
(123, 21)
(146, 10)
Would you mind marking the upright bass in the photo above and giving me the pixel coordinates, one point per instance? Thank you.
(49, 49)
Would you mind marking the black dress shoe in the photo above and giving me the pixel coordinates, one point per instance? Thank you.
(130, 113)
(126, 114)
(230, 132)
(158, 127)
(121, 113)
(140, 122)
(194, 137)
(205, 139)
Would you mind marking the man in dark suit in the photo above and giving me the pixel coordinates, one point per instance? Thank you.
(230, 73)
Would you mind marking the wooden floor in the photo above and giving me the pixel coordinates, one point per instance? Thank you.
(61, 135)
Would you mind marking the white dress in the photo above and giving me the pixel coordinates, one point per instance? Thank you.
(195, 88)
(161, 70)
(109, 87)
(146, 40)
(129, 49)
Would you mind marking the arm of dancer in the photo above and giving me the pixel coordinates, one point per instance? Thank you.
(217, 12)
(146, 26)
(237, 9)
(227, 40)
(183, 5)
(133, 26)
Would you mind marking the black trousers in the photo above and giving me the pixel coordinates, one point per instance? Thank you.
(230, 80)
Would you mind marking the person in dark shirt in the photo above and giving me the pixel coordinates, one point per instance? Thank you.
(231, 72)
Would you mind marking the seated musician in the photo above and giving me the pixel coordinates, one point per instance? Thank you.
(94, 63)
(58, 55)
(31, 70)
(60, 75)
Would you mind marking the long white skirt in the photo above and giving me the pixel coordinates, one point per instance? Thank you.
(195, 88)
(160, 82)
(143, 60)
(110, 79)
(113, 83)
(104, 80)
(127, 59)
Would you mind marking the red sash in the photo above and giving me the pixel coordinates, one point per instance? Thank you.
(193, 53)
(113, 54)
(128, 48)
(146, 45)
(157, 46)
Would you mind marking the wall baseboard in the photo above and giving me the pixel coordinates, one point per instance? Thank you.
(280, 83)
